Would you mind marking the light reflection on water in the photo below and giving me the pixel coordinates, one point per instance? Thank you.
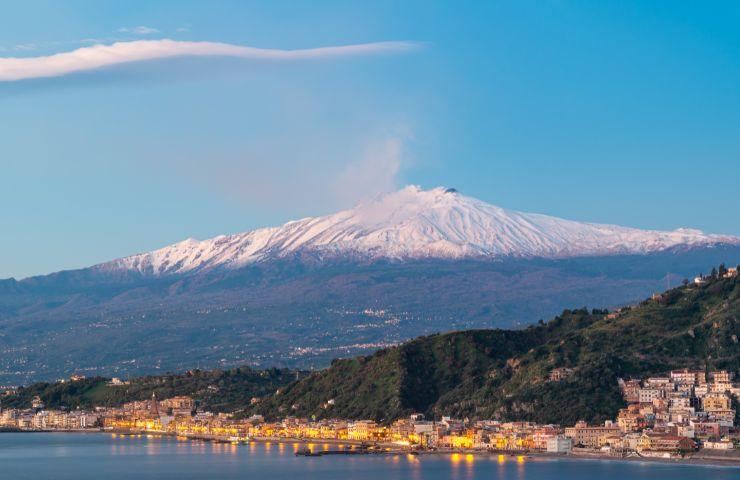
(119, 457)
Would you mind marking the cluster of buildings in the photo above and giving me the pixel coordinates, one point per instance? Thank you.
(172, 417)
(179, 416)
(39, 419)
(722, 273)
(665, 416)
(416, 432)
(683, 411)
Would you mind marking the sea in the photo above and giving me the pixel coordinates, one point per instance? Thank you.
(81, 456)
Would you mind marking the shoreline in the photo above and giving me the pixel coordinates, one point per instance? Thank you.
(598, 456)
(393, 449)
(689, 460)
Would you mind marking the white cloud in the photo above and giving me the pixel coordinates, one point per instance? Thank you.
(140, 30)
(99, 56)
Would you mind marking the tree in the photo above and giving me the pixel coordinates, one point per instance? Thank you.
(722, 270)
(685, 282)
(714, 272)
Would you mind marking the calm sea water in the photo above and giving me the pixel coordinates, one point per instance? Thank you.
(102, 456)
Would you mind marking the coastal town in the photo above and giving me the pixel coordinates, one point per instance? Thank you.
(669, 417)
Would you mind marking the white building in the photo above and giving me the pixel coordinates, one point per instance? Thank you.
(559, 444)
(723, 444)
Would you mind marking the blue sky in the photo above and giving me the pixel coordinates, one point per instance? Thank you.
(615, 112)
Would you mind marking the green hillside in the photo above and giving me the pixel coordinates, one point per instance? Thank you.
(476, 373)
(504, 373)
(217, 390)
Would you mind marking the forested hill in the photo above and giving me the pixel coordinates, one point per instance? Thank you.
(475, 373)
(504, 373)
(217, 390)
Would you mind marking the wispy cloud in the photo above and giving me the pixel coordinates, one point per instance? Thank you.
(99, 56)
(140, 30)
(25, 47)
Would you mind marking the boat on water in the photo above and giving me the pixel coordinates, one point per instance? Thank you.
(306, 452)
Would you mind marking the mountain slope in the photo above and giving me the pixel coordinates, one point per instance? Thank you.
(413, 224)
(408, 263)
(503, 373)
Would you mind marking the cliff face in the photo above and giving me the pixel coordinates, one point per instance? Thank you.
(300, 315)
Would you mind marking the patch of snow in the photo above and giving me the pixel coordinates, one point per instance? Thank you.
(411, 224)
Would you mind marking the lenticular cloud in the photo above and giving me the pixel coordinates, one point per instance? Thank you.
(99, 56)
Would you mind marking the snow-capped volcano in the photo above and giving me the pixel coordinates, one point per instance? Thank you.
(411, 224)
(310, 286)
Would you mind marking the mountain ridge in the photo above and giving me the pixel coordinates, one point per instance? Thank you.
(412, 223)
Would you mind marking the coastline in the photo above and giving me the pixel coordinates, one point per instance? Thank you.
(696, 459)
(689, 460)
